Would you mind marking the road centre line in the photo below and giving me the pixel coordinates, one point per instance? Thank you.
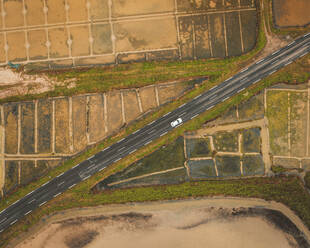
(3, 220)
(31, 201)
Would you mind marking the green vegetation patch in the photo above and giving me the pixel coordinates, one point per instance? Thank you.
(307, 180)
(171, 177)
(251, 140)
(201, 169)
(228, 166)
(279, 169)
(199, 147)
(253, 165)
(165, 158)
(11, 175)
(226, 141)
(252, 109)
(277, 113)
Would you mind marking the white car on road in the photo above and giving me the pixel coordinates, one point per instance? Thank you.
(176, 122)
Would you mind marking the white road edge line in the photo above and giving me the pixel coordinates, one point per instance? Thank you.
(2, 211)
(117, 160)
(28, 212)
(1, 231)
(163, 116)
(306, 35)
(194, 116)
(3, 220)
(105, 149)
(75, 166)
(133, 151)
(288, 63)
(163, 134)
(91, 157)
(197, 97)
(72, 186)
(244, 70)
(13, 222)
(213, 87)
(120, 140)
(134, 132)
(225, 99)
(272, 72)
(148, 142)
(27, 194)
(102, 168)
(210, 107)
(57, 194)
(86, 177)
(240, 90)
(151, 122)
(42, 204)
(60, 174)
(182, 105)
(260, 61)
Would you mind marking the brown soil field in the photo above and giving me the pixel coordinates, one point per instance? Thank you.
(79, 122)
(107, 32)
(291, 13)
(62, 140)
(96, 115)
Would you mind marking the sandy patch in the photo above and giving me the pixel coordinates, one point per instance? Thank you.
(192, 223)
(290, 13)
(13, 83)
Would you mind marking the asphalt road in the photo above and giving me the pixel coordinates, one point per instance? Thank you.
(154, 130)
